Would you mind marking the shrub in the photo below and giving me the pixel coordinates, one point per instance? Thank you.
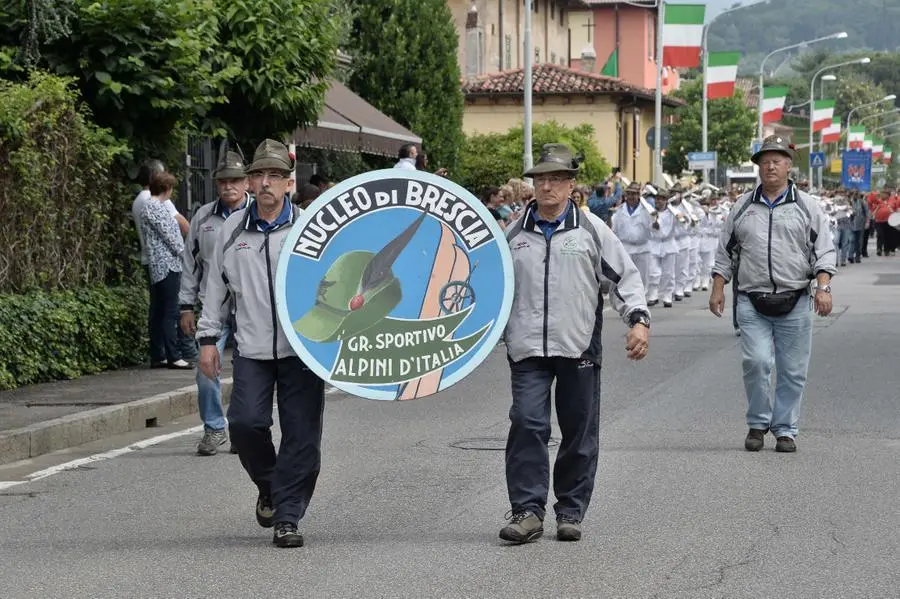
(47, 336)
(495, 158)
(64, 214)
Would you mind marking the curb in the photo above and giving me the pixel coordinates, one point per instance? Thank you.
(100, 423)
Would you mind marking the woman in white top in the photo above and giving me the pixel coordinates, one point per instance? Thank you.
(164, 245)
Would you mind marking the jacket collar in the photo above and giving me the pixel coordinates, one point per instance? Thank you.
(789, 196)
(219, 208)
(572, 220)
(288, 215)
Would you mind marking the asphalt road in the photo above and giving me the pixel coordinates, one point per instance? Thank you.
(680, 509)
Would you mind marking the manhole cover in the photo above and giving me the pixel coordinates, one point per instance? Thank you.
(888, 279)
(489, 443)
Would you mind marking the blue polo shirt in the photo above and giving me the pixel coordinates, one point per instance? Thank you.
(549, 227)
(263, 226)
(773, 203)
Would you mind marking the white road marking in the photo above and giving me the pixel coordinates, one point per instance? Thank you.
(99, 457)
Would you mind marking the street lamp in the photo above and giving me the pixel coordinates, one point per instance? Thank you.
(762, 66)
(872, 116)
(889, 98)
(705, 117)
(883, 127)
(822, 84)
(812, 104)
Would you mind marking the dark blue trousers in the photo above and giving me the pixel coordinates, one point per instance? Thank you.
(578, 413)
(290, 477)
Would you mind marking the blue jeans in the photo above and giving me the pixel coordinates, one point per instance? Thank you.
(843, 238)
(784, 342)
(856, 244)
(209, 392)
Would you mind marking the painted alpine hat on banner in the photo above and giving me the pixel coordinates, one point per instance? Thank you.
(394, 284)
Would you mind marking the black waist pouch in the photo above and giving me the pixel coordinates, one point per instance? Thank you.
(775, 304)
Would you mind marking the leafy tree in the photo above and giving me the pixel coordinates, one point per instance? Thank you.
(145, 67)
(495, 158)
(405, 65)
(286, 50)
(731, 128)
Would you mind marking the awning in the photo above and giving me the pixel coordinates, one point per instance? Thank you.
(349, 123)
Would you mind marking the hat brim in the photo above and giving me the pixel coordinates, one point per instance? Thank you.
(230, 173)
(550, 167)
(321, 324)
(270, 164)
(755, 158)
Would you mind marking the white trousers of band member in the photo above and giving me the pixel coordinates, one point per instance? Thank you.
(683, 271)
(694, 267)
(642, 261)
(662, 278)
(707, 259)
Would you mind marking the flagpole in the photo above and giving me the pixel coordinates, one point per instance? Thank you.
(657, 138)
(527, 156)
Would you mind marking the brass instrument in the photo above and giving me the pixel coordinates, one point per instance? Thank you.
(650, 208)
(678, 214)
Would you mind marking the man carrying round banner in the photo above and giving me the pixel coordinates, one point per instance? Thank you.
(560, 254)
(394, 284)
(242, 269)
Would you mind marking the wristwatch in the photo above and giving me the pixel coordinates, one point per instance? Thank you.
(825, 289)
(639, 318)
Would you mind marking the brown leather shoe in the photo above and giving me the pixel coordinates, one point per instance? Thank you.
(755, 439)
(785, 445)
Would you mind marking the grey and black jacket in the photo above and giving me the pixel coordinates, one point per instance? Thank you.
(775, 249)
(242, 270)
(199, 246)
(557, 309)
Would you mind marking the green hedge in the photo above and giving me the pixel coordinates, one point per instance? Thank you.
(46, 336)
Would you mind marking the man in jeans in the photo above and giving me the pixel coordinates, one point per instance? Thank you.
(231, 184)
(775, 242)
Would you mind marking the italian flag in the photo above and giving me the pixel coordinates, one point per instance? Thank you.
(822, 114)
(886, 157)
(877, 148)
(856, 137)
(683, 34)
(832, 133)
(721, 74)
(773, 103)
(867, 143)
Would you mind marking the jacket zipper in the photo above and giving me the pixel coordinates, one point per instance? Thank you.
(771, 274)
(272, 301)
(546, 291)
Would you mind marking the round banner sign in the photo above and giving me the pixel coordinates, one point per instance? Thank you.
(394, 284)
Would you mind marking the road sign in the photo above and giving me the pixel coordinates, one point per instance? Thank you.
(394, 284)
(755, 146)
(878, 169)
(698, 161)
(817, 159)
(663, 141)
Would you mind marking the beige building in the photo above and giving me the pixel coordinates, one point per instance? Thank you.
(621, 114)
(491, 33)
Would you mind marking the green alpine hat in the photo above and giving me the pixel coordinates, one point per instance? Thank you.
(271, 154)
(358, 291)
(555, 158)
(774, 143)
(230, 167)
(342, 309)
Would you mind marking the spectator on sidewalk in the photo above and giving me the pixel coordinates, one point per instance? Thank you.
(157, 352)
(882, 213)
(320, 181)
(164, 248)
(422, 165)
(776, 240)
(243, 266)
(233, 196)
(560, 250)
(601, 202)
(406, 157)
(859, 223)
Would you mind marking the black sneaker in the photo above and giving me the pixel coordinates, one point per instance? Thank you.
(667, 304)
(286, 535)
(687, 294)
(679, 298)
(568, 529)
(264, 511)
(523, 527)
(785, 445)
(755, 440)
(651, 303)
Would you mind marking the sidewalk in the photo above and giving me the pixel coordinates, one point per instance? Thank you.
(38, 419)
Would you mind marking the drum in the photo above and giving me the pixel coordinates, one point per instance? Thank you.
(894, 220)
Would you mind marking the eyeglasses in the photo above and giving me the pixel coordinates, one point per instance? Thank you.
(551, 179)
(274, 176)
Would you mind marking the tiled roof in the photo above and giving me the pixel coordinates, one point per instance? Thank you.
(556, 80)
